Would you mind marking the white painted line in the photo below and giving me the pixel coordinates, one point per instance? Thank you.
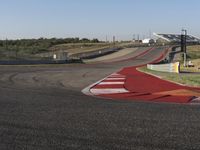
(110, 83)
(196, 100)
(115, 78)
(108, 91)
(115, 74)
(87, 91)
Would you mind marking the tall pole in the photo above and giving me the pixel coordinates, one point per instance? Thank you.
(184, 45)
(114, 40)
(185, 48)
(138, 38)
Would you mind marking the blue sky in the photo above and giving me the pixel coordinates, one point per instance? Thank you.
(96, 18)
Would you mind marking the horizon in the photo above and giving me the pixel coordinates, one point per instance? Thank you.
(96, 19)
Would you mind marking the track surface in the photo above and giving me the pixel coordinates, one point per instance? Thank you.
(130, 84)
(43, 108)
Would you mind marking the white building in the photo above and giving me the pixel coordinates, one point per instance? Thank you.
(148, 41)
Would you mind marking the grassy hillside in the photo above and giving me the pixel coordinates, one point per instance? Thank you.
(193, 52)
(189, 79)
(27, 48)
(44, 48)
(80, 47)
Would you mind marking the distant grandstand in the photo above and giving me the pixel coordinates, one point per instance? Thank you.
(176, 38)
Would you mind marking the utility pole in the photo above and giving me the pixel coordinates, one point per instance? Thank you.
(138, 38)
(114, 40)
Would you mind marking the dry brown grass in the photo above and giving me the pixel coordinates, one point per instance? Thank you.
(195, 48)
(79, 48)
(194, 56)
(189, 79)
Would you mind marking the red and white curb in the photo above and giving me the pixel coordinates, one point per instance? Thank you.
(113, 84)
(196, 101)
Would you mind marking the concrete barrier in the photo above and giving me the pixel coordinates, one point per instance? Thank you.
(95, 54)
(38, 62)
(172, 67)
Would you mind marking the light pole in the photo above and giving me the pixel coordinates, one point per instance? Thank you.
(184, 45)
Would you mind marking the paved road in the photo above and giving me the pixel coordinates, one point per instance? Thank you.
(43, 108)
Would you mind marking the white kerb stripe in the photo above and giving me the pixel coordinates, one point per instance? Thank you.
(111, 83)
(115, 78)
(108, 91)
(115, 74)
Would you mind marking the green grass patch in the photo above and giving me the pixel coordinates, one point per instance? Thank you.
(193, 54)
(189, 79)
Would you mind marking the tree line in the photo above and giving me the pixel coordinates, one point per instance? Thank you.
(41, 44)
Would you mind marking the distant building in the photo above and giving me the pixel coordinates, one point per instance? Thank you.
(148, 41)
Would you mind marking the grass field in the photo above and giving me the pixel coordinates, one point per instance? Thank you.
(79, 48)
(193, 53)
(70, 48)
(87, 47)
(189, 79)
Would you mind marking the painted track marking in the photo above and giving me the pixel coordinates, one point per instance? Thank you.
(108, 83)
(108, 91)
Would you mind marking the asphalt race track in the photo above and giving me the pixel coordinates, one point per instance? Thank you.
(42, 107)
